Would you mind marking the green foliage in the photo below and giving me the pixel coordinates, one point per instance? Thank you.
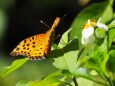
(111, 33)
(69, 61)
(16, 64)
(64, 39)
(51, 80)
(2, 23)
(79, 65)
(94, 11)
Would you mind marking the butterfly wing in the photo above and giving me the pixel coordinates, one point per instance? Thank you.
(32, 47)
(42, 48)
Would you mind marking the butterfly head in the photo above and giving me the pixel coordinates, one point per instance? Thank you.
(57, 20)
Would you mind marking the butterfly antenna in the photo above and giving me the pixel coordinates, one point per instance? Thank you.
(63, 16)
(45, 24)
(56, 37)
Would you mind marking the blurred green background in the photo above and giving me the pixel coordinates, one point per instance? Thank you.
(20, 19)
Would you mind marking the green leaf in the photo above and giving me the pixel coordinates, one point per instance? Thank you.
(111, 25)
(93, 11)
(64, 39)
(111, 2)
(67, 61)
(58, 73)
(112, 61)
(103, 48)
(98, 59)
(22, 83)
(51, 80)
(69, 47)
(100, 33)
(82, 72)
(113, 22)
(15, 65)
(111, 36)
(104, 63)
(111, 32)
(105, 56)
(92, 62)
(86, 82)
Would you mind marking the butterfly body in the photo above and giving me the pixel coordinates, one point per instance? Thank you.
(36, 47)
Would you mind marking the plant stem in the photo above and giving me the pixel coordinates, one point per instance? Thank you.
(75, 82)
(110, 81)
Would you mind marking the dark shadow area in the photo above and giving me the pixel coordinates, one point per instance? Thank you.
(72, 46)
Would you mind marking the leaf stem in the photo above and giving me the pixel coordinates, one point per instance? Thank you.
(75, 82)
(82, 49)
(74, 78)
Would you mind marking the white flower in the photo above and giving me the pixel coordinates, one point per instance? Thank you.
(88, 31)
(87, 34)
(101, 25)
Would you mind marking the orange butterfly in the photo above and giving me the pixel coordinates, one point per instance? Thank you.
(36, 47)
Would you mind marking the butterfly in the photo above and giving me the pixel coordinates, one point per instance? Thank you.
(38, 46)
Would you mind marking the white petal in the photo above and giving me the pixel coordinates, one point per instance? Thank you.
(102, 26)
(83, 41)
(86, 34)
(88, 22)
(89, 40)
